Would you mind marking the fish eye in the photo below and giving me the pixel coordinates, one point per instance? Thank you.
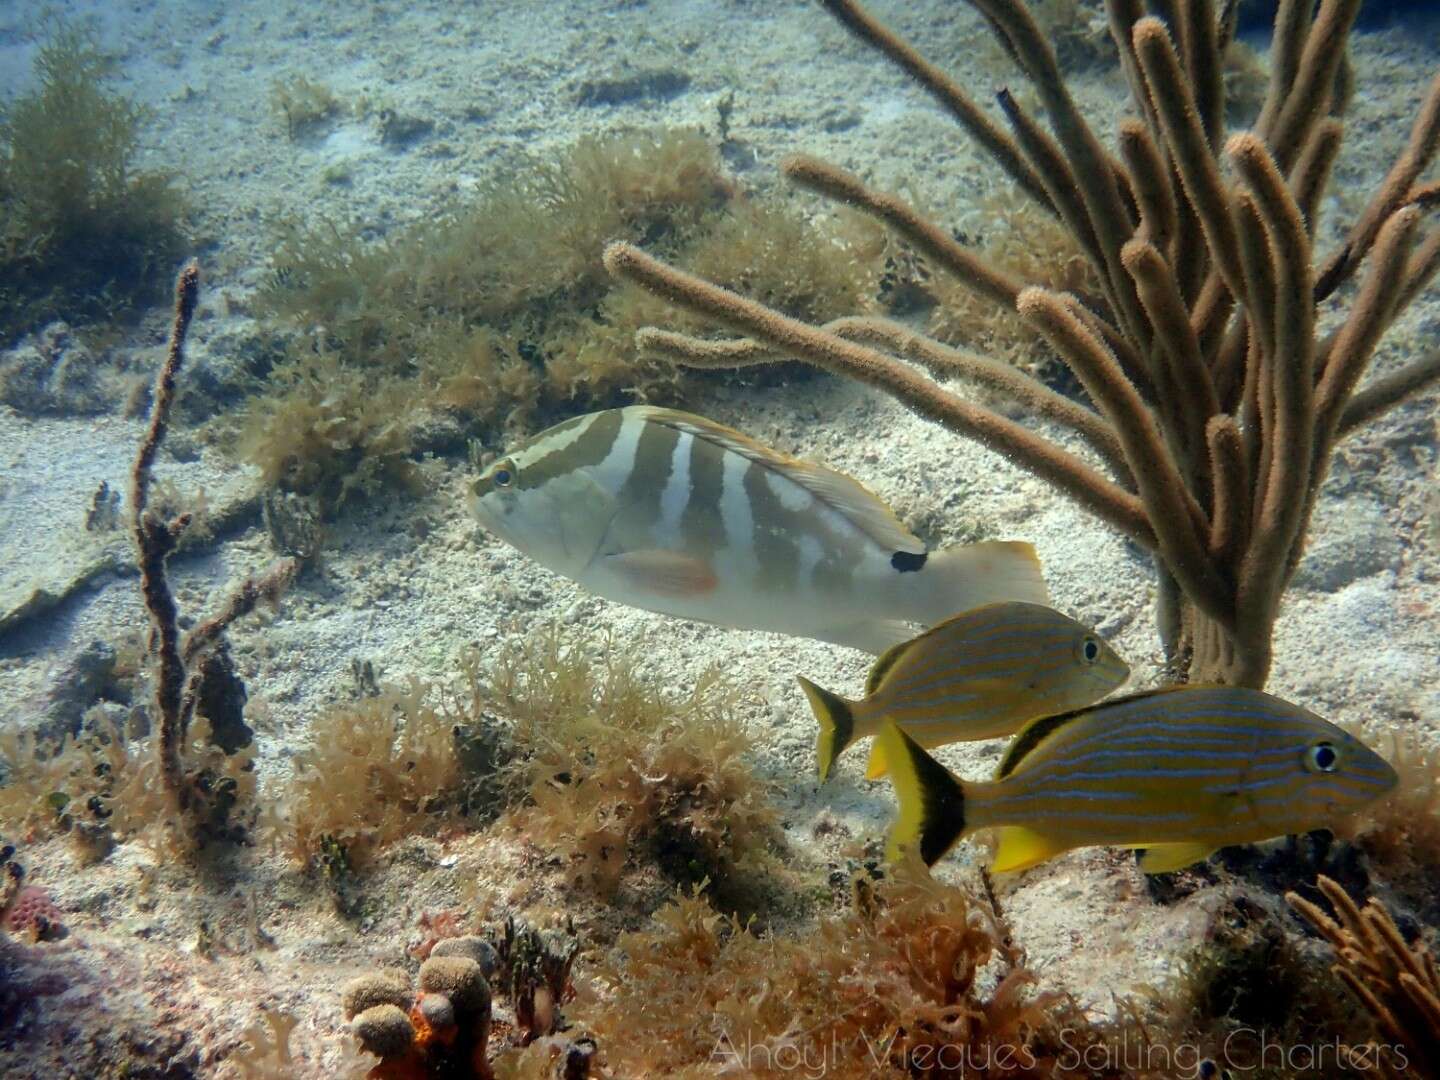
(1322, 757)
(1090, 650)
(503, 475)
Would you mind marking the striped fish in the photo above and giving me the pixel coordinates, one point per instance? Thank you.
(674, 513)
(1179, 772)
(978, 675)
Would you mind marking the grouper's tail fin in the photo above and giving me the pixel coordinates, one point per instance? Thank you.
(932, 801)
(837, 725)
(959, 578)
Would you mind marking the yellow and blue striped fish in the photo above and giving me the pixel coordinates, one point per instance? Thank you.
(674, 513)
(1179, 772)
(978, 675)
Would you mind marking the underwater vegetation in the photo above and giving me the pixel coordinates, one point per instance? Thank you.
(1400, 836)
(499, 312)
(881, 988)
(568, 744)
(303, 104)
(613, 772)
(1215, 399)
(606, 790)
(84, 233)
(375, 770)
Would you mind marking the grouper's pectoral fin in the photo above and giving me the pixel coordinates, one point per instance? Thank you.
(663, 573)
(1163, 858)
(1021, 848)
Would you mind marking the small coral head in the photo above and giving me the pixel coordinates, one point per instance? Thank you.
(33, 914)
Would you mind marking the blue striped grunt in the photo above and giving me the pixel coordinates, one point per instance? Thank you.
(978, 675)
(674, 513)
(1179, 772)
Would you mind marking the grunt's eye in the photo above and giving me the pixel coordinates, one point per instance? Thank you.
(1090, 650)
(1322, 757)
(503, 476)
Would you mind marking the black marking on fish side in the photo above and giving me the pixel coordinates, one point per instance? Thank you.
(589, 449)
(702, 528)
(888, 659)
(942, 818)
(908, 561)
(644, 488)
(1037, 731)
(1031, 736)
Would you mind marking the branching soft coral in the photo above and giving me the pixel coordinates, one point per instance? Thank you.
(1397, 982)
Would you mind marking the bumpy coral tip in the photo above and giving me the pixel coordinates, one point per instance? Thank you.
(376, 988)
(1149, 29)
(461, 980)
(617, 257)
(384, 1030)
(472, 945)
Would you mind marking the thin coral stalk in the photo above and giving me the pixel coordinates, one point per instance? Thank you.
(944, 90)
(155, 540)
(176, 688)
(899, 340)
(929, 238)
(1394, 190)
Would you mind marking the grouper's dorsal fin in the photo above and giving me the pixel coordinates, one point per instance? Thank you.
(842, 494)
(1038, 731)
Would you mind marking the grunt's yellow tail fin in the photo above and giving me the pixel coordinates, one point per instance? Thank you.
(837, 725)
(932, 801)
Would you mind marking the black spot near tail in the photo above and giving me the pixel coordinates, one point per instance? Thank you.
(907, 561)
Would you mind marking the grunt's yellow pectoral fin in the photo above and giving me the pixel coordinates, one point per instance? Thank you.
(875, 768)
(1021, 848)
(1163, 858)
(665, 573)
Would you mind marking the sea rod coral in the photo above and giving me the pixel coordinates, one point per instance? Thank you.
(178, 660)
(1217, 399)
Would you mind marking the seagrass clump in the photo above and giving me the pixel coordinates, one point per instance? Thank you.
(1215, 397)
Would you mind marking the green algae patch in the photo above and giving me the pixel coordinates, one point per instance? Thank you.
(84, 233)
(497, 315)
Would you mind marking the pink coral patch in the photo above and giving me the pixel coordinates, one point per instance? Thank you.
(34, 914)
